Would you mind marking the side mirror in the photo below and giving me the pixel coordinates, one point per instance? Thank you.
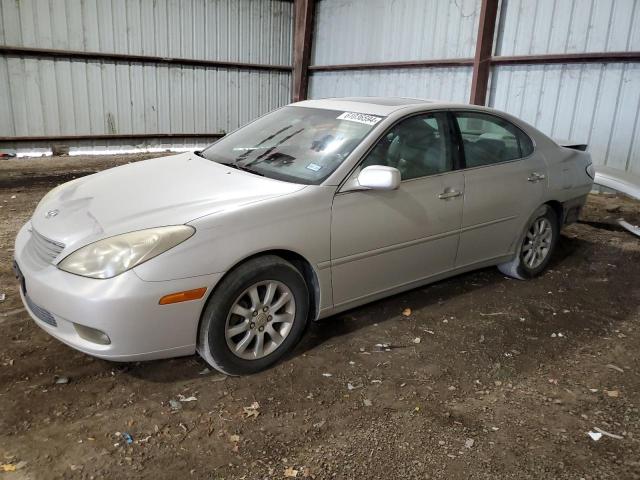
(379, 177)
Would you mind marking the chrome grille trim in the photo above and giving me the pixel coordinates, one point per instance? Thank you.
(45, 249)
(40, 312)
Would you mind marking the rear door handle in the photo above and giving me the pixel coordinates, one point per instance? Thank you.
(536, 177)
(449, 194)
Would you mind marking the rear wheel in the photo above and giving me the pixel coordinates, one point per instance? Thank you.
(256, 315)
(536, 248)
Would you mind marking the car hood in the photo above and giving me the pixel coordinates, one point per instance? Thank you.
(162, 191)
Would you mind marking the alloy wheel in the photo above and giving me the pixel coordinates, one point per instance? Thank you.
(260, 319)
(537, 243)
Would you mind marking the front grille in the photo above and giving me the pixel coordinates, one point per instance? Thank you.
(40, 312)
(45, 249)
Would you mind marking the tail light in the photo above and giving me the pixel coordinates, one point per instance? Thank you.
(591, 171)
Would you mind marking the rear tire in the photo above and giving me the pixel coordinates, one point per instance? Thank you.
(537, 246)
(256, 315)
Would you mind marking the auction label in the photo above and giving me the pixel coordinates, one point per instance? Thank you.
(360, 118)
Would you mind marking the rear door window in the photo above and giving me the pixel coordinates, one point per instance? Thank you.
(488, 139)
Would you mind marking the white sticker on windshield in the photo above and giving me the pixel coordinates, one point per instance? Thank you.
(360, 118)
(314, 166)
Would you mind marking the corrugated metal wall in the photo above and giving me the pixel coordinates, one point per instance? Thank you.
(568, 26)
(597, 103)
(371, 31)
(437, 83)
(45, 96)
(594, 103)
(366, 31)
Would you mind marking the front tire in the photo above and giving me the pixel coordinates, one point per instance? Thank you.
(257, 314)
(536, 248)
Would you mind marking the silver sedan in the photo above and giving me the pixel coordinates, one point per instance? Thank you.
(313, 209)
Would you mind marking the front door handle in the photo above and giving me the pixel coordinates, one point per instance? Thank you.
(449, 194)
(536, 177)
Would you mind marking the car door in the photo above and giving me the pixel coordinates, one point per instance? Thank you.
(381, 240)
(505, 181)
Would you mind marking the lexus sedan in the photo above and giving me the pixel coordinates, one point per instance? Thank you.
(312, 209)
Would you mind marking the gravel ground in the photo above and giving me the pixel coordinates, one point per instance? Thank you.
(485, 378)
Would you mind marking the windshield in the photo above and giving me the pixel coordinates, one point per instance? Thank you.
(295, 144)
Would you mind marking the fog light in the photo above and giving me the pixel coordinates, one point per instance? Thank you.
(92, 334)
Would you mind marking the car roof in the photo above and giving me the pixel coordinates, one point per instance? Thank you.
(372, 105)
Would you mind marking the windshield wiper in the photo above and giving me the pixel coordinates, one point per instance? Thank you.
(243, 168)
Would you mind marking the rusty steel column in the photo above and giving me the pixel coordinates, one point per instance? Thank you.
(302, 36)
(484, 51)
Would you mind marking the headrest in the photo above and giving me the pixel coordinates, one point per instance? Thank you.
(416, 133)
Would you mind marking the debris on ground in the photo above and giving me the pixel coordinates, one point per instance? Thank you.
(204, 371)
(61, 380)
(8, 153)
(612, 393)
(382, 347)
(367, 402)
(406, 312)
(614, 367)
(290, 472)
(469, 442)
(611, 435)
(182, 398)
(327, 375)
(416, 340)
(128, 439)
(11, 467)
(175, 405)
(595, 436)
(630, 228)
(2, 297)
(252, 410)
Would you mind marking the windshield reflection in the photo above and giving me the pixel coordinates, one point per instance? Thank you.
(296, 144)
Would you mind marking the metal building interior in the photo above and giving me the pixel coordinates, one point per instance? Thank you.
(477, 376)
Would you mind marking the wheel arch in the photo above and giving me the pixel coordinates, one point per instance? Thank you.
(298, 261)
(558, 209)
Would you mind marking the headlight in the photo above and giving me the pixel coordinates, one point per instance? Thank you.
(113, 256)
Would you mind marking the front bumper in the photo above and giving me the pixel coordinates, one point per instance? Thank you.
(124, 307)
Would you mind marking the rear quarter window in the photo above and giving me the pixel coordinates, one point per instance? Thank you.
(488, 139)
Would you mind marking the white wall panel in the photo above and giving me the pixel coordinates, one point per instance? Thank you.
(42, 96)
(597, 104)
(363, 31)
(568, 26)
(451, 84)
(257, 31)
(74, 97)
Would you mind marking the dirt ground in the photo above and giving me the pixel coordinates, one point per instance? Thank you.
(486, 378)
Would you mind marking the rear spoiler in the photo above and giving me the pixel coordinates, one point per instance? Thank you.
(572, 145)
